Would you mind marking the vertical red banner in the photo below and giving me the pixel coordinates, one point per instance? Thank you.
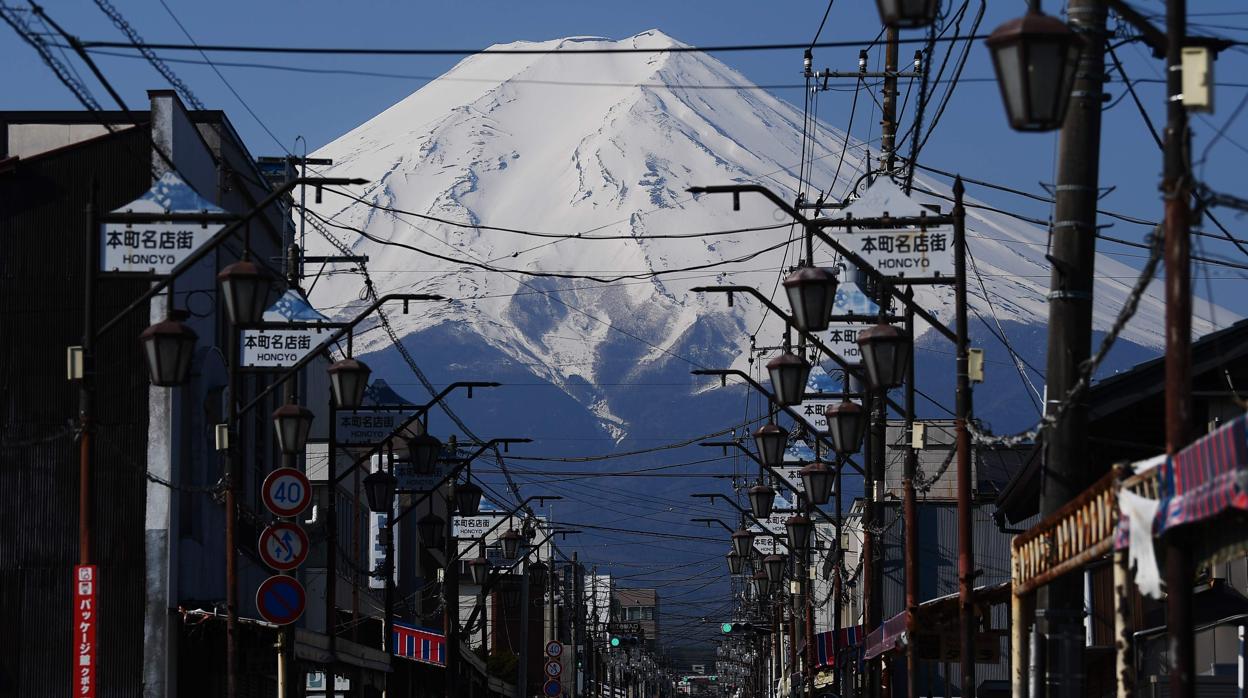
(86, 588)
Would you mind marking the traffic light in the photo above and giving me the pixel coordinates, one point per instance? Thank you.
(736, 628)
(622, 641)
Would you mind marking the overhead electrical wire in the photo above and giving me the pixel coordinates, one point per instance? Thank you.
(377, 51)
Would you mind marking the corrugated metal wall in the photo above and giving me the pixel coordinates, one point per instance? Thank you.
(42, 229)
(938, 564)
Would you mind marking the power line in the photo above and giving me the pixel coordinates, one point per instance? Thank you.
(375, 51)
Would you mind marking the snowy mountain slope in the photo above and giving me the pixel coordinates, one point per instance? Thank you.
(496, 142)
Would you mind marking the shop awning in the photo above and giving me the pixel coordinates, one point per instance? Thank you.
(1205, 479)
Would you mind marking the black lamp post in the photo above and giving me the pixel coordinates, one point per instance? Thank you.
(788, 378)
(735, 563)
(430, 528)
(292, 423)
(812, 295)
(773, 566)
(511, 543)
(885, 354)
(168, 346)
(742, 542)
(467, 498)
(817, 479)
(762, 499)
(907, 14)
(479, 568)
(771, 441)
(847, 424)
(1035, 57)
(424, 450)
(762, 583)
(799, 528)
(379, 487)
(246, 290)
(347, 380)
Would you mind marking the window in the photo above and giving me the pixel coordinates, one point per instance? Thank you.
(632, 613)
(647, 613)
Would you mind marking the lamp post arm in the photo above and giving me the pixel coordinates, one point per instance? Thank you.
(711, 520)
(849, 255)
(506, 517)
(215, 241)
(744, 512)
(787, 410)
(495, 573)
(463, 462)
(777, 474)
(418, 412)
(809, 336)
(338, 333)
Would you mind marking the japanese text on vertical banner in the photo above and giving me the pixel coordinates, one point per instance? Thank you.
(86, 588)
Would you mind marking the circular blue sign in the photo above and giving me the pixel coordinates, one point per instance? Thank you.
(280, 600)
(552, 688)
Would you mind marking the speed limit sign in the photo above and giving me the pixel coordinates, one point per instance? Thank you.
(286, 492)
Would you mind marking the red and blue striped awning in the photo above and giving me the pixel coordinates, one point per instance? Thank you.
(827, 643)
(418, 644)
(1206, 478)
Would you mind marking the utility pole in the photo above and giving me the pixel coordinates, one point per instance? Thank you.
(1060, 603)
(888, 122)
(1176, 189)
(910, 511)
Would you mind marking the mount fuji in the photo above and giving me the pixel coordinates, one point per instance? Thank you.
(585, 159)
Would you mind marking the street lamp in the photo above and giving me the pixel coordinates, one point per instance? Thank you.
(907, 14)
(762, 499)
(379, 488)
(429, 527)
(168, 346)
(735, 563)
(479, 568)
(788, 378)
(1035, 57)
(468, 498)
(292, 423)
(762, 583)
(885, 354)
(799, 528)
(847, 424)
(771, 441)
(773, 566)
(424, 450)
(246, 291)
(817, 479)
(511, 543)
(347, 380)
(812, 294)
(742, 542)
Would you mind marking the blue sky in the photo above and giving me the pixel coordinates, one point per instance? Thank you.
(971, 137)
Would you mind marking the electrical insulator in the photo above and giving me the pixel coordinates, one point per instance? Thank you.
(862, 61)
(808, 61)
(918, 61)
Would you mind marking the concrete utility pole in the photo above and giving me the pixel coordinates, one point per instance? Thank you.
(1066, 472)
(888, 122)
(910, 509)
(1176, 188)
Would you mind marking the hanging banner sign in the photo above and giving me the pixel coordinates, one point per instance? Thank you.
(913, 253)
(151, 248)
(283, 347)
(278, 348)
(86, 613)
(766, 544)
(842, 338)
(916, 254)
(812, 411)
(156, 247)
(473, 527)
(377, 548)
(411, 481)
(369, 428)
(419, 644)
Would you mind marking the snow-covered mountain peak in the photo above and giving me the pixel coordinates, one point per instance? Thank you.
(601, 149)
